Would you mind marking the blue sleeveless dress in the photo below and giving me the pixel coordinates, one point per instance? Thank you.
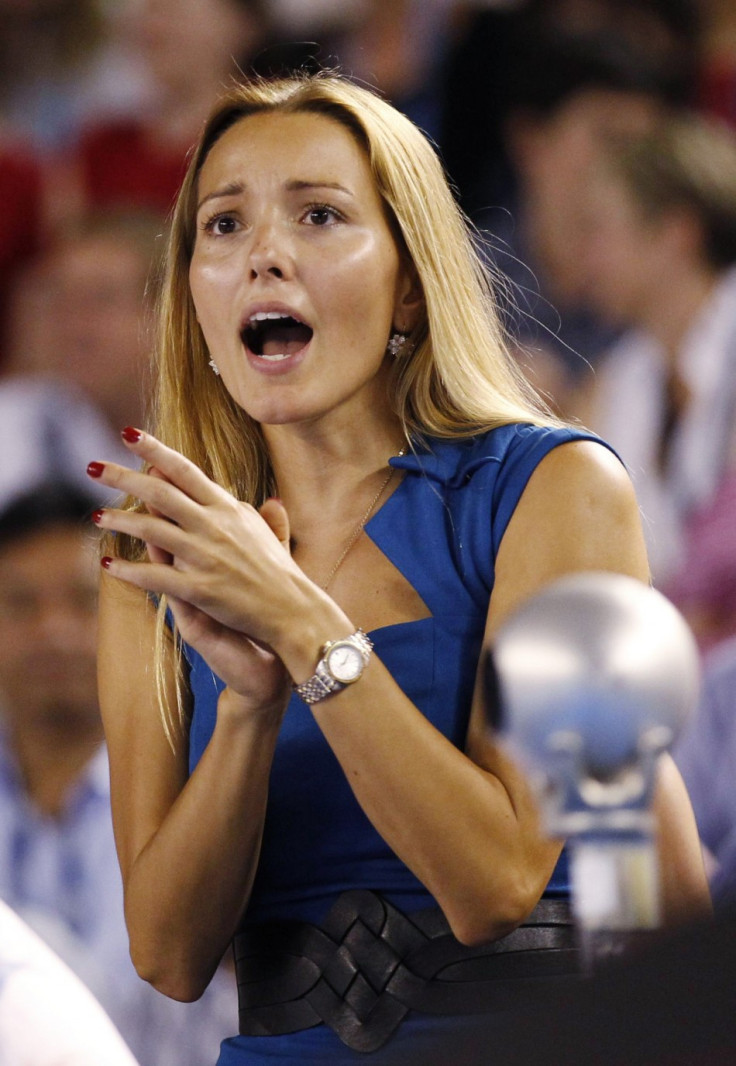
(441, 528)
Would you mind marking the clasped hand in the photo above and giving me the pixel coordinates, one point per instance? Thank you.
(219, 562)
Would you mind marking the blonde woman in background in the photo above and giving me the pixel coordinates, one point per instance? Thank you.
(659, 258)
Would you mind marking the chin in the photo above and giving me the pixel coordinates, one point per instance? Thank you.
(275, 415)
(279, 410)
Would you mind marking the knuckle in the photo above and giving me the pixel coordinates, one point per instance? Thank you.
(158, 494)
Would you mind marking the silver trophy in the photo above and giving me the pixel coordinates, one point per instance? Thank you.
(587, 684)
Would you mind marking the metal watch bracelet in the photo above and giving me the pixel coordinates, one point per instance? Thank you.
(322, 684)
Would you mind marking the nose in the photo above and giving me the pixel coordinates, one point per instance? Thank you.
(270, 255)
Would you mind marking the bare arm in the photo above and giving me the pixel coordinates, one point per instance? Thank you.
(579, 513)
(188, 849)
(466, 826)
(684, 887)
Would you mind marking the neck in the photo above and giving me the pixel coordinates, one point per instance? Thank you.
(51, 762)
(331, 484)
(318, 467)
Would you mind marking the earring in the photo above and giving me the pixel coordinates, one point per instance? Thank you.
(215, 367)
(395, 346)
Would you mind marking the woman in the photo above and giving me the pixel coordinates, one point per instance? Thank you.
(341, 449)
(659, 258)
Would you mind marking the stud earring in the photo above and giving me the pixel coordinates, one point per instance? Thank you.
(215, 367)
(395, 346)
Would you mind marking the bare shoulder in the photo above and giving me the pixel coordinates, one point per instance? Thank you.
(586, 466)
(577, 512)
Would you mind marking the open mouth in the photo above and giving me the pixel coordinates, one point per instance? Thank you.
(273, 336)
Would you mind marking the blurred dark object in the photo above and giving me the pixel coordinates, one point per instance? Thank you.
(671, 1004)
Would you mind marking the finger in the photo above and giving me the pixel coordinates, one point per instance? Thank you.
(276, 518)
(172, 466)
(164, 539)
(159, 495)
(154, 471)
(158, 578)
(156, 554)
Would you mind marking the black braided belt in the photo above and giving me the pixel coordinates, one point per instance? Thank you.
(369, 965)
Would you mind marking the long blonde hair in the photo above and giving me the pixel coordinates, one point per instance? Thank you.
(459, 377)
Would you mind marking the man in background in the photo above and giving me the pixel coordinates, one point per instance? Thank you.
(58, 866)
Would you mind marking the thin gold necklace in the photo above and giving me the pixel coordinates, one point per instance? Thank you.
(360, 526)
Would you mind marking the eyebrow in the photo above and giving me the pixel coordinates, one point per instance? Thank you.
(227, 190)
(295, 185)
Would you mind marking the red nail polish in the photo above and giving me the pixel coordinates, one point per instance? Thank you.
(97, 515)
(95, 469)
(131, 434)
(105, 562)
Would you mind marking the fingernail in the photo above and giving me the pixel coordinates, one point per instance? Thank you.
(276, 498)
(97, 515)
(131, 434)
(95, 469)
(105, 562)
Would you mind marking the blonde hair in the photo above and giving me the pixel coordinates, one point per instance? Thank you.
(459, 378)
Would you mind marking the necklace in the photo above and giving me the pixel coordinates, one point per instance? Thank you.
(360, 526)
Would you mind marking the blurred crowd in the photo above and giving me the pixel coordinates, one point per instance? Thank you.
(592, 144)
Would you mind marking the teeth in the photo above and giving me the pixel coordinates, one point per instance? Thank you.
(274, 358)
(263, 316)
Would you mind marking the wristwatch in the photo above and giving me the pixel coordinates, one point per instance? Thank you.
(342, 663)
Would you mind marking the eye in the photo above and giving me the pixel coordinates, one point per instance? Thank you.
(220, 225)
(321, 215)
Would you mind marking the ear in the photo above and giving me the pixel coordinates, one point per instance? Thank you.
(409, 304)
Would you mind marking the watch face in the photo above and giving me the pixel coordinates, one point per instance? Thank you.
(345, 662)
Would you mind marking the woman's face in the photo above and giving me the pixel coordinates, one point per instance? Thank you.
(295, 276)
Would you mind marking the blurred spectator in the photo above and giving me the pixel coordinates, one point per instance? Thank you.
(58, 866)
(47, 1016)
(530, 53)
(77, 349)
(704, 587)
(320, 18)
(659, 259)
(568, 96)
(400, 48)
(190, 50)
(21, 221)
(49, 430)
(664, 29)
(706, 756)
(79, 311)
(581, 91)
(45, 51)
